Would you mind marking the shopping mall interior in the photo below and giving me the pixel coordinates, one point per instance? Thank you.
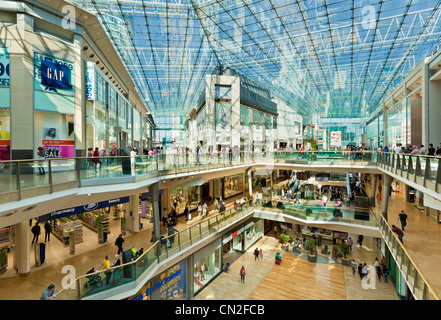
(220, 150)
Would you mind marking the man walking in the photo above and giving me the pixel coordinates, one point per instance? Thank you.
(403, 219)
(36, 230)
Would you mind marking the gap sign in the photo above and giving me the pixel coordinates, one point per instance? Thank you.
(81, 209)
(55, 75)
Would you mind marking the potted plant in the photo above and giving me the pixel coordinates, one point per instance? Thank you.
(285, 240)
(312, 248)
(344, 248)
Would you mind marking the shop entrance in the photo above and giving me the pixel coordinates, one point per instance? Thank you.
(205, 192)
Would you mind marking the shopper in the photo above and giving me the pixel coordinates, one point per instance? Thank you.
(403, 219)
(324, 200)
(256, 254)
(107, 271)
(36, 231)
(96, 158)
(47, 231)
(186, 212)
(257, 198)
(119, 243)
(350, 242)
(360, 240)
(242, 274)
(378, 199)
(116, 271)
(399, 232)
(353, 265)
(222, 207)
(385, 273)
(360, 269)
(164, 217)
(260, 255)
(49, 293)
(364, 270)
(204, 210)
(40, 155)
(304, 243)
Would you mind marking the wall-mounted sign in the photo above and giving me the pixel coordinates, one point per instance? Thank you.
(81, 209)
(53, 75)
(90, 82)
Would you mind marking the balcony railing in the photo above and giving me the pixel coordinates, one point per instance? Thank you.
(418, 284)
(130, 272)
(21, 179)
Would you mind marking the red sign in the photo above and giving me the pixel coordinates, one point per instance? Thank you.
(234, 234)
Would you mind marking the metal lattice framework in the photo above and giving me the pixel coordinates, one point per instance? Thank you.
(334, 58)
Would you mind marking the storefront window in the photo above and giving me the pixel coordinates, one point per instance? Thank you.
(183, 196)
(233, 185)
(5, 136)
(207, 268)
(253, 233)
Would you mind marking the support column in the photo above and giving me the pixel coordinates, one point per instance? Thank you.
(190, 277)
(405, 191)
(374, 189)
(250, 184)
(134, 214)
(387, 181)
(22, 248)
(154, 194)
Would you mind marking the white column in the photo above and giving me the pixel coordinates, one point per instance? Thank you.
(22, 248)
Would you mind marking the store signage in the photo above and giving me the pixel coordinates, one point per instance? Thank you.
(55, 75)
(90, 82)
(59, 148)
(4, 68)
(81, 209)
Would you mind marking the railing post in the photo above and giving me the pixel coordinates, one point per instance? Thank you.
(50, 175)
(179, 240)
(438, 175)
(78, 170)
(17, 169)
(427, 172)
(189, 234)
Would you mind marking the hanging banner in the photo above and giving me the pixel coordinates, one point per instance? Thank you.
(335, 139)
(81, 209)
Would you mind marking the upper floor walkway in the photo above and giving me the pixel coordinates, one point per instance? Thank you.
(70, 182)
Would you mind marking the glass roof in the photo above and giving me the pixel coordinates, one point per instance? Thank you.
(334, 58)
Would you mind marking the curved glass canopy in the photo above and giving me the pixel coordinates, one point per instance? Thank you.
(333, 58)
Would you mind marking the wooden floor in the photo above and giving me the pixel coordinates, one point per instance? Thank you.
(298, 279)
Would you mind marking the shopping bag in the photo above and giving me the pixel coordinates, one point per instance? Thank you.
(189, 216)
(320, 203)
(168, 243)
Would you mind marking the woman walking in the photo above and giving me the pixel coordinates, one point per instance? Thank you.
(242, 274)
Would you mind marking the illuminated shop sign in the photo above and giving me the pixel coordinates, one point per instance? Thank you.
(81, 209)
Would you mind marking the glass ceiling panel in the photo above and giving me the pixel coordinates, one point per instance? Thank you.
(338, 58)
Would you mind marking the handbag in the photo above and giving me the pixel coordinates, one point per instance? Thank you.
(168, 243)
(189, 216)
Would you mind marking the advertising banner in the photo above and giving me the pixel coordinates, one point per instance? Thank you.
(59, 148)
(335, 139)
(170, 285)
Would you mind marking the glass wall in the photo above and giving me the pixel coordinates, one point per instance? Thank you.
(233, 185)
(207, 268)
(185, 195)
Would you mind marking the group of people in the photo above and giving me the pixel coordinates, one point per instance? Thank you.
(414, 149)
(363, 269)
(258, 254)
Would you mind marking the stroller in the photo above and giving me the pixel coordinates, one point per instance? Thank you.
(94, 279)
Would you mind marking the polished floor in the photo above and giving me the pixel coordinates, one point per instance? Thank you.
(421, 240)
(295, 278)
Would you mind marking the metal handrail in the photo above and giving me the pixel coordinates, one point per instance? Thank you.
(433, 292)
(158, 242)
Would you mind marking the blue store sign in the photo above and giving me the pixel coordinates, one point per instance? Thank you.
(81, 209)
(55, 75)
